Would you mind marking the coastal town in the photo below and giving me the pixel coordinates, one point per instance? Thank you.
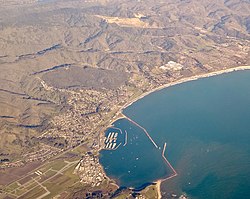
(88, 115)
(91, 112)
(85, 122)
(73, 74)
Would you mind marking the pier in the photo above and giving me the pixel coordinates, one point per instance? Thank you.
(126, 138)
(113, 127)
(145, 131)
(113, 145)
(168, 163)
(117, 146)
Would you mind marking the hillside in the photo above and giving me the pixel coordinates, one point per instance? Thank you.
(66, 66)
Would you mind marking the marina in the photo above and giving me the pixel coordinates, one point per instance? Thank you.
(110, 140)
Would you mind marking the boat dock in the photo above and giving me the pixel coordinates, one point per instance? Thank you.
(111, 139)
(126, 138)
(113, 145)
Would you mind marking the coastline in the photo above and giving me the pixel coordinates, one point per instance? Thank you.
(121, 115)
(184, 80)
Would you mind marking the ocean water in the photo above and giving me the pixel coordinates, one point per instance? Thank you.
(206, 125)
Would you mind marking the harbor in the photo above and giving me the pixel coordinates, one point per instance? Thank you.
(110, 140)
(131, 153)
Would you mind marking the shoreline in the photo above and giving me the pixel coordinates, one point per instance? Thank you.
(184, 80)
(173, 83)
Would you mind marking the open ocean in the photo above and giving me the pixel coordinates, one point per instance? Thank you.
(206, 126)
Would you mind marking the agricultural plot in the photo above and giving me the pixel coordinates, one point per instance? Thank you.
(46, 182)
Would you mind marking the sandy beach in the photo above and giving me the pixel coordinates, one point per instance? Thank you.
(158, 187)
(186, 79)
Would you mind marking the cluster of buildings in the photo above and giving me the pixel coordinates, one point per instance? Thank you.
(7, 164)
(90, 170)
(44, 153)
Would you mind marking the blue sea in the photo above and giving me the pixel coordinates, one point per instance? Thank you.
(206, 126)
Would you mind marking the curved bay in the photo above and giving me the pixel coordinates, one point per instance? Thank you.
(206, 125)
